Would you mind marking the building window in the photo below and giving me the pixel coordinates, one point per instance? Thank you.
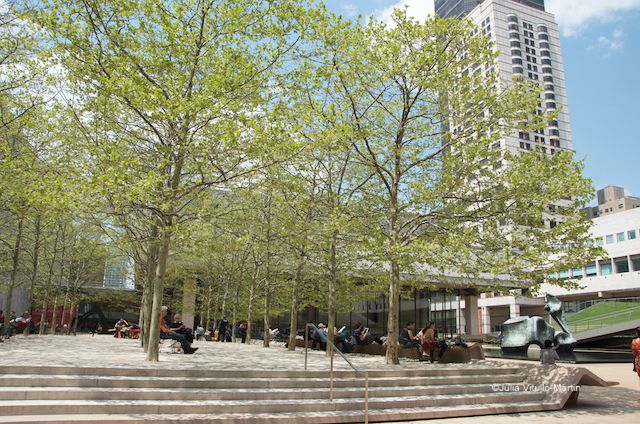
(622, 265)
(512, 18)
(609, 237)
(620, 206)
(547, 78)
(545, 53)
(599, 241)
(620, 237)
(590, 270)
(563, 274)
(546, 61)
(631, 235)
(547, 70)
(635, 262)
(516, 61)
(605, 267)
(516, 53)
(515, 44)
(576, 272)
(513, 27)
(543, 37)
(543, 45)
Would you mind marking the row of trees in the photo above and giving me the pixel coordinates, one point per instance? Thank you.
(278, 154)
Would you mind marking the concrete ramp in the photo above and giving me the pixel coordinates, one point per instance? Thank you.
(606, 331)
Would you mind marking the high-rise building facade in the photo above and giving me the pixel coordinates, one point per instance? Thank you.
(612, 199)
(528, 41)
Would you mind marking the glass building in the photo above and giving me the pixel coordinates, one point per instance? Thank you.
(119, 273)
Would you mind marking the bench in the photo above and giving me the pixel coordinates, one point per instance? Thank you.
(453, 354)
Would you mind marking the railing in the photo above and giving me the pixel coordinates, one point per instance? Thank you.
(334, 349)
(571, 308)
(604, 320)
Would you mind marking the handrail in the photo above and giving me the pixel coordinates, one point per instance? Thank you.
(335, 349)
(607, 315)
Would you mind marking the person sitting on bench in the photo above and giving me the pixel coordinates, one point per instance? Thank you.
(364, 337)
(430, 341)
(170, 333)
(19, 324)
(408, 338)
(178, 326)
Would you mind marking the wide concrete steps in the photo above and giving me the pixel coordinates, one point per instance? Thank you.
(320, 417)
(103, 395)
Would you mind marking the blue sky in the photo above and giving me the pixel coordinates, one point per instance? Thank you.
(601, 48)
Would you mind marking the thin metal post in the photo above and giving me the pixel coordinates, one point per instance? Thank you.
(331, 379)
(366, 397)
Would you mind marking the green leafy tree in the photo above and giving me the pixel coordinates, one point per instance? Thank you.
(445, 199)
(184, 81)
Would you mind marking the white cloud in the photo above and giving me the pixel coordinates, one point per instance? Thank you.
(612, 43)
(573, 15)
(418, 9)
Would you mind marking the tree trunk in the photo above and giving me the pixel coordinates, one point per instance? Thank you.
(141, 282)
(295, 298)
(267, 278)
(147, 293)
(252, 293)
(154, 330)
(265, 318)
(392, 321)
(234, 311)
(333, 281)
(223, 308)
(64, 309)
(54, 317)
(34, 268)
(45, 301)
(75, 316)
(58, 286)
(15, 264)
(209, 315)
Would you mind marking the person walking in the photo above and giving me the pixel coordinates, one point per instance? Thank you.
(635, 348)
(223, 330)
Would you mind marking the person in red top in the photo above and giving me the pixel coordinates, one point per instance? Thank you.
(170, 333)
(635, 348)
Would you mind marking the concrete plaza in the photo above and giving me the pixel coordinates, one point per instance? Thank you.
(617, 404)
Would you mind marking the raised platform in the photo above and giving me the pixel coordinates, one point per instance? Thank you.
(232, 383)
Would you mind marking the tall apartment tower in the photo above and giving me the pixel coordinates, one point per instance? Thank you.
(611, 199)
(528, 42)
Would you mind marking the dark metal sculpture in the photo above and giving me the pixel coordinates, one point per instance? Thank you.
(563, 340)
(521, 332)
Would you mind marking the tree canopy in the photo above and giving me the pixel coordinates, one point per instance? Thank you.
(272, 154)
